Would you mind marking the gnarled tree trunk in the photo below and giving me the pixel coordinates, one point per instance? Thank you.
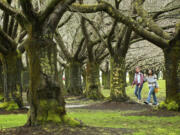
(1, 83)
(131, 78)
(106, 79)
(45, 95)
(118, 79)
(12, 67)
(172, 73)
(93, 88)
(75, 82)
(66, 77)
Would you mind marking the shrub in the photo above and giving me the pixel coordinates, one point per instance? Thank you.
(171, 106)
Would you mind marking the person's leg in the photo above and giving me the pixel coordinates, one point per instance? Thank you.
(154, 98)
(139, 92)
(135, 91)
(151, 90)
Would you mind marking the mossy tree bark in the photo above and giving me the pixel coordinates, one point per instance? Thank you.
(67, 77)
(155, 34)
(45, 97)
(12, 67)
(1, 82)
(73, 68)
(131, 77)
(75, 82)
(172, 73)
(106, 79)
(93, 87)
(118, 79)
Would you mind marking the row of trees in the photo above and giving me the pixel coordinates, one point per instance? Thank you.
(36, 28)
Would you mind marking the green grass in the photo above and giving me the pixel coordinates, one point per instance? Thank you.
(12, 120)
(139, 125)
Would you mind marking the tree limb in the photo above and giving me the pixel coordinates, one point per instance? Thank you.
(60, 42)
(28, 10)
(138, 5)
(103, 6)
(7, 39)
(65, 21)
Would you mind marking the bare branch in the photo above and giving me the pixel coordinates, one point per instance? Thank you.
(103, 6)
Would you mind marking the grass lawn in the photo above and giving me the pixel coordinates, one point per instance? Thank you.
(12, 120)
(139, 125)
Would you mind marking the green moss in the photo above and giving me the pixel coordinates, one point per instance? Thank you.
(171, 106)
(43, 103)
(162, 104)
(53, 116)
(70, 121)
(9, 106)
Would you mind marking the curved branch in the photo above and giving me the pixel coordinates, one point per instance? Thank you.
(13, 12)
(79, 48)
(49, 9)
(53, 19)
(60, 42)
(138, 5)
(65, 21)
(7, 39)
(103, 6)
(28, 10)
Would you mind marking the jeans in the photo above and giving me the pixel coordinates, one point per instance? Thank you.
(137, 91)
(151, 92)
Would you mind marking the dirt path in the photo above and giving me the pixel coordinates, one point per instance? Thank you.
(63, 130)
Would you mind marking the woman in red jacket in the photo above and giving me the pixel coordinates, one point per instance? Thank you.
(138, 81)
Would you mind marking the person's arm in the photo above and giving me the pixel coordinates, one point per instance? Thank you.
(134, 81)
(141, 79)
(156, 83)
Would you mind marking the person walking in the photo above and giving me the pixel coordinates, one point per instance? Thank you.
(152, 83)
(138, 81)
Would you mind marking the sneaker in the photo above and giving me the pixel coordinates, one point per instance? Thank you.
(146, 102)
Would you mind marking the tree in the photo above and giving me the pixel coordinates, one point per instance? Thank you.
(154, 34)
(96, 54)
(11, 62)
(45, 96)
(74, 61)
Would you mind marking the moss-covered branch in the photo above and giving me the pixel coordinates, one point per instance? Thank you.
(79, 48)
(49, 9)
(138, 6)
(65, 21)
(52, 20)
(88, 41)
(126, 41)
(103, 6)
(110, 37)
(3, 50)
(13, 12)
(28, 10)
(120, 37)
(60, 42)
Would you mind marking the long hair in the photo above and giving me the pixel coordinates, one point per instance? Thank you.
(151, 71)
